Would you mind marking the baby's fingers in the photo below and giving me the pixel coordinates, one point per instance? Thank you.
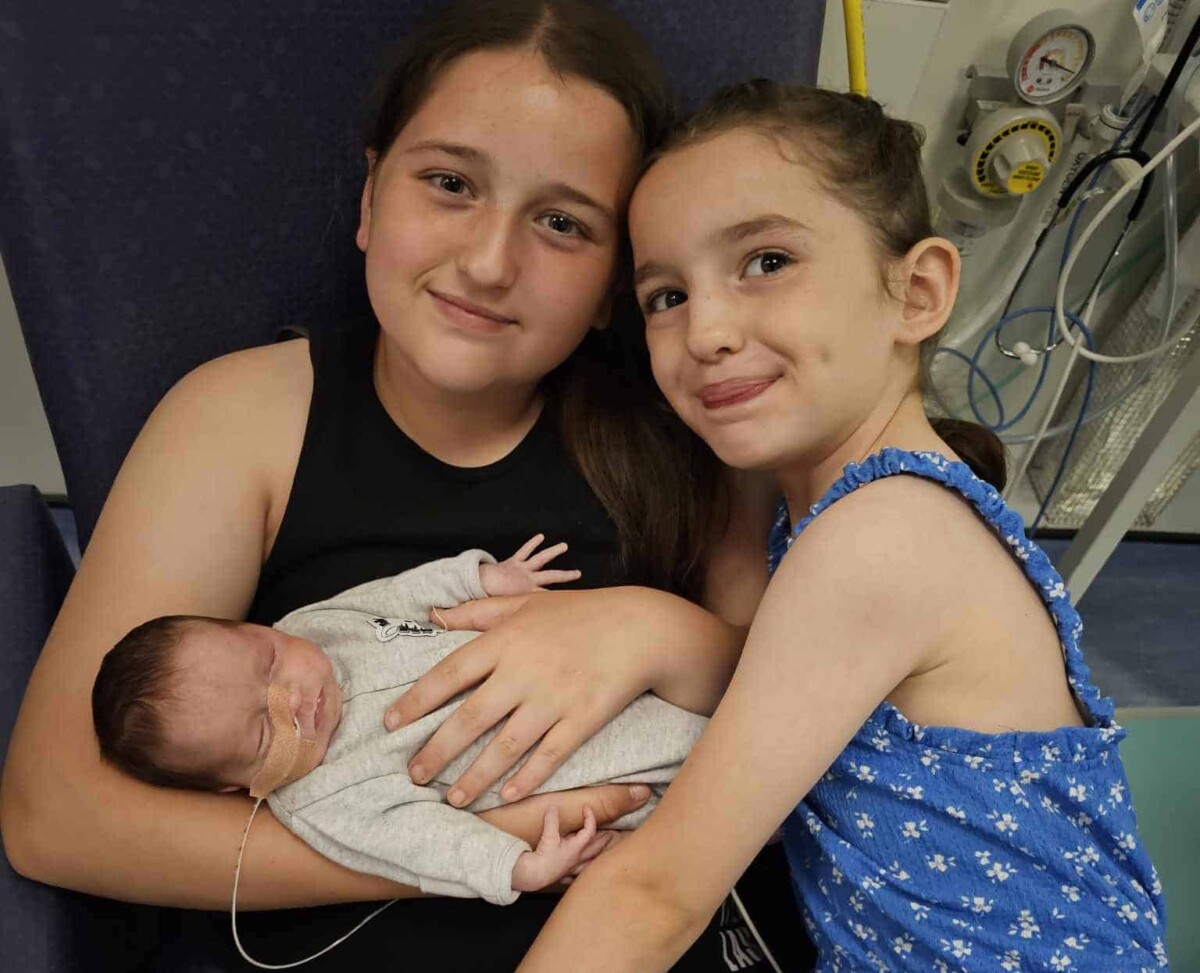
(543, 578)
(528, 547)
(601, 842)
(542, 558)
(575, 845)
(550, 832)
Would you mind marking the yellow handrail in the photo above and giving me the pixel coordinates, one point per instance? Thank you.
(856, 45)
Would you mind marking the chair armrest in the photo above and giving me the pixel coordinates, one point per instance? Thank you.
(45, 929)
(35, 572)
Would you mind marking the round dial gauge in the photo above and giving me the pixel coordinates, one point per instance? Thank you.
(1049, 58)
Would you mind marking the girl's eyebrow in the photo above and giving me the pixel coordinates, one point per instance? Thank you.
(563, 191)
(448, 148)
(768, 223)
(647, 270)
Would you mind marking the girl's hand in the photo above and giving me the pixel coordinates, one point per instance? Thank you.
(559, 666)
(522, 573)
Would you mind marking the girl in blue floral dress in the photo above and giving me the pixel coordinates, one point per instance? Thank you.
(911, 706)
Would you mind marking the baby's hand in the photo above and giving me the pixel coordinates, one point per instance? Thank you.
(522, 573)
(555, 856)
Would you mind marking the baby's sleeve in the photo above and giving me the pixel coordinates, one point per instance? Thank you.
(410, 594)
(391, 827)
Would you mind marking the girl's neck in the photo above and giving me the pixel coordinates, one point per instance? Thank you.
(899, 422)
(460, 429)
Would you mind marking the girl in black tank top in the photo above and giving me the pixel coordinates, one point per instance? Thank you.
(492, 225)
(368, 502)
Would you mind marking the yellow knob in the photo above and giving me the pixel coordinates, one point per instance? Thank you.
(1019, 162)
(1025, 178)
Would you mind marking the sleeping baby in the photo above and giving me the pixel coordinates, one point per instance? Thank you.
(294, 713)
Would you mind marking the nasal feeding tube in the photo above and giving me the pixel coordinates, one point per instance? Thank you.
(289, 754)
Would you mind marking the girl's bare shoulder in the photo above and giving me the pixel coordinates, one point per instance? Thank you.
(902, 542)
(277, 376)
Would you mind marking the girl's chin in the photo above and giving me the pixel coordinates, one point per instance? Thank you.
(743, 453)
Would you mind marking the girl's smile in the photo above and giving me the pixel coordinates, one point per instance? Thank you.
(733, 391)
(473, 318)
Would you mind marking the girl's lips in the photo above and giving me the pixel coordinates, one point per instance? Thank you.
(470, 317)
(733, 391)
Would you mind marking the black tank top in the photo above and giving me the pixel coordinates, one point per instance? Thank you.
(368, 502)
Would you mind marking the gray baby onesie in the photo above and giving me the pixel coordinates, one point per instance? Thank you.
(361, 809)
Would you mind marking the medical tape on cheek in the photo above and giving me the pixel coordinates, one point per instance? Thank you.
(288, 757)
(289, 751)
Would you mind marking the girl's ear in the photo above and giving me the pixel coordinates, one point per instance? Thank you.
(604, 313)
(364, 205)
(929, 283)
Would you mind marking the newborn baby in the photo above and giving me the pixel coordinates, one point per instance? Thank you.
(294, 713)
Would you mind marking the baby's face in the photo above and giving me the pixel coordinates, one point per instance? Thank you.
(220, 719)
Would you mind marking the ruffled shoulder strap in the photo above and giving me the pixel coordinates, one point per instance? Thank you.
(991, 507)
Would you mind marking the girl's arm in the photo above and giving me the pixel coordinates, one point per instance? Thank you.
(838, 629)
(185, 530)
(565, 663)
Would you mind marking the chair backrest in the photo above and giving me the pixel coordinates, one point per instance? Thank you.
(180, 180)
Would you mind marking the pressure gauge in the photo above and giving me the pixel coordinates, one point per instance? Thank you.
(1050, 56)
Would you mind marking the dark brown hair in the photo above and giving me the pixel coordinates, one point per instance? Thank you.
(871, 164)
(659, 483)
(131, 696)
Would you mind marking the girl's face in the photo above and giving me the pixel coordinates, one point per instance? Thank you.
(768, 324)
(491, 225)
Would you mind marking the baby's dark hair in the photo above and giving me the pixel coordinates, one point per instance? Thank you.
(134, 689)
(871, 164)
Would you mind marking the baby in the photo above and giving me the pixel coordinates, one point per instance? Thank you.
(294, 713)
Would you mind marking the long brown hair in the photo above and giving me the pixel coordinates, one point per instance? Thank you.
(660, 485)
(872, 164)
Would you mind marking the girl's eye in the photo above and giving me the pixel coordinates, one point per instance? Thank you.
(450, 183)
(562, 224)
(664, 301)
(763, 264)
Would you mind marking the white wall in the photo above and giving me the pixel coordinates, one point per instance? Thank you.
(27, 453)
(900, 38)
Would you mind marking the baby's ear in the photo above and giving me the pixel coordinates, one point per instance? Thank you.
(928, 283)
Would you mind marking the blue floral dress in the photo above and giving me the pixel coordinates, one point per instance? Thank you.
(944, 849)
